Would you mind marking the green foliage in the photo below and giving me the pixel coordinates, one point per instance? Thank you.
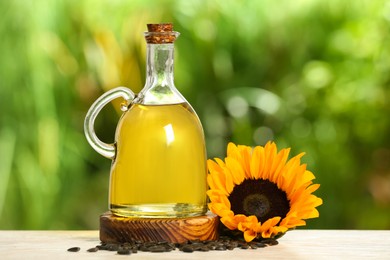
(309, 74)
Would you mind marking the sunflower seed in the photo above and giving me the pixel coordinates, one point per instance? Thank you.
(197, 246)
(187, 249)
(220, 248)
(230, 247)
(270, 241)
(74, 249)
(112, 247)
(157, 249)
(144, 249)
(93, 249)
(204, 249)
(245, 246)
(124, 251)
(257, 244)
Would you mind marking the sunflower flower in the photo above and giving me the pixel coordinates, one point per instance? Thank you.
(261, 193)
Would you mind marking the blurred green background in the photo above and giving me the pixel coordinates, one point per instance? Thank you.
(312, 75)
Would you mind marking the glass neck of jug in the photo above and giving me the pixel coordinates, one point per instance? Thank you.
(159, 86)
(159, 67)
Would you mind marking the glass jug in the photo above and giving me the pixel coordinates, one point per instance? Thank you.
(159, 158)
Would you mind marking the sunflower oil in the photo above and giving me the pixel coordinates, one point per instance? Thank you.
(160, 164)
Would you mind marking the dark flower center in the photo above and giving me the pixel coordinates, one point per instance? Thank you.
(261, 198)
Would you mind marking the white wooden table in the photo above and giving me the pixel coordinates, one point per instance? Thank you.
(296, 244)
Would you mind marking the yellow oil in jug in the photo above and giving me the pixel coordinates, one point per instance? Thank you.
(160, 167)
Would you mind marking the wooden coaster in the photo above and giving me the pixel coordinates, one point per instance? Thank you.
(115, 229)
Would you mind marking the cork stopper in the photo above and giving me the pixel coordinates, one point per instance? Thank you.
(160, 27)
(160, 33)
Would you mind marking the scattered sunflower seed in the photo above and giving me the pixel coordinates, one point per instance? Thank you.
(74, 249)
(158, 249)
(222, 244)
(187, 249)
(270, 241)
(123, 251)
(246, 246)
(93, 249)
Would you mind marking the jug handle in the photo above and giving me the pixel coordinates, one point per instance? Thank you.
(107, 150)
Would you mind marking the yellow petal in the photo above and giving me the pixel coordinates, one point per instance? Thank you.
(270, 151)
(240, 218)
(271, 222)
(282, 156)
(232, 150)
(219, 208)
(245, 152)
(303, 177)
(229, 222)
(226, 202)
(292, 172)
(229, 184)
(213, 166)
(257, 162)
(219, 180)
(249, 235)
(313, 188)
(210, 182)
(220, 162)
(295, 195)
(214, 196)
(291, 220)
(278, 229)
(236, 170)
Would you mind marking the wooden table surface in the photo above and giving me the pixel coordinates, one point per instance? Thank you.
(296, 244)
